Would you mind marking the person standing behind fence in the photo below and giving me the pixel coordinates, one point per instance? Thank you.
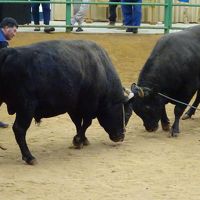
(46, 15)
(132, 15)
(8, 30)
(79, 12)
(185, 11)
(112, 12)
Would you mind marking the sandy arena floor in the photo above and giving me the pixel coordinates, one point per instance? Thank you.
(146, 166)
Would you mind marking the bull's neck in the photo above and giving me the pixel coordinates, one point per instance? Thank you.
(149, 82)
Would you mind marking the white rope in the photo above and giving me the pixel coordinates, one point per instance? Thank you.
(183, 103)
(172, 99)
(123, 112)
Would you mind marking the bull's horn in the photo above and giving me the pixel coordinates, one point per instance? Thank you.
(128, 93)
(131, 95)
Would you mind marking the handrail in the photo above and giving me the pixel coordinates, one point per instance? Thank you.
(167, 4)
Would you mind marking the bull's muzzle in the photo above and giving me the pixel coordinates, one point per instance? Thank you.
(119, 138)
(151, 129)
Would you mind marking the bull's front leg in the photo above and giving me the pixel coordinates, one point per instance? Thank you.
(20, 126)
(80, 139)
(81, 125)
(165, 120)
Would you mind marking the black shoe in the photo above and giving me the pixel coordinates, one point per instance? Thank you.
(135, 30)
(37, 29)
(128, 30)
(3, 125)
(71, 28)
(49, 29)
(111, 24)
(79, 29)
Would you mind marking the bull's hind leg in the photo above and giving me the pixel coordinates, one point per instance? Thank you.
(178, 111)
(81, 126)
(21, 124)
(191, 111)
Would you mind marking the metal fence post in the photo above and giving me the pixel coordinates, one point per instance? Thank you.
(168, 15)
(68, 15)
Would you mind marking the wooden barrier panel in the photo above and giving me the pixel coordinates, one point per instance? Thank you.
(21, 12)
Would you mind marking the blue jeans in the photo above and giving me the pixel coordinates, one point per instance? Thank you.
(132, 14)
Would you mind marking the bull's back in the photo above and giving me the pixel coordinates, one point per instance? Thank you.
(174, 61)
(76, 65)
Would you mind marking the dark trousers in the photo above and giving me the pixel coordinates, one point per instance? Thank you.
(112, 11)
(46, 12)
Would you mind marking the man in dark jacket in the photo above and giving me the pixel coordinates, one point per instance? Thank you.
(8, 29)
(112, 12)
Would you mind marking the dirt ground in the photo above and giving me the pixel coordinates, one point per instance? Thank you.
(146, 166)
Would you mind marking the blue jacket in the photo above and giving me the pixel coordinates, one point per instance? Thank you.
(187, 1)
(3, 41)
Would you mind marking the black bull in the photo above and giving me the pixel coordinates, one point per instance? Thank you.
(172, 69)
(51, 78)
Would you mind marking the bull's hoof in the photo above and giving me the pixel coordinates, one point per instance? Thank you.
(186, 116)
(79, 142)
(119, 138)
(86, 142)
(166, 127)
(30, 161)
(33, 162)
(174, 133)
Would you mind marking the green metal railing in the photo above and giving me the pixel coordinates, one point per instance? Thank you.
(167, 4)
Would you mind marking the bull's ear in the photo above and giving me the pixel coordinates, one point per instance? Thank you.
(140, 91)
